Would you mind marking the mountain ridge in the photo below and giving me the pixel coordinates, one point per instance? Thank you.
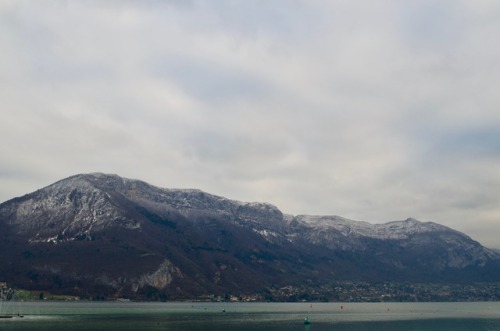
(185, 242)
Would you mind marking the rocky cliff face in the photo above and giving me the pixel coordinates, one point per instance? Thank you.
(102, 234)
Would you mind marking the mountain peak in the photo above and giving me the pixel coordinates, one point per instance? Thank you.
(138, 237)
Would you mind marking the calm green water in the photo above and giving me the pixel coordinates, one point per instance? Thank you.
(252, 316)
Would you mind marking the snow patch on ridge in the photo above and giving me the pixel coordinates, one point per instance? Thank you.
(391, 230)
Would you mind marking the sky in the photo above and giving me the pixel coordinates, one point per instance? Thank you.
(373, 110)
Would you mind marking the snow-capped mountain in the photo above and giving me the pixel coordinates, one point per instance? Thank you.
(339, 233)
(103, 234)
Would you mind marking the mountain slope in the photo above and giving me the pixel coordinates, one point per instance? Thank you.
(103, 235)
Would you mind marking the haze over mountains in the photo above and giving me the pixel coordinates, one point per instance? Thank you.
(104, 235)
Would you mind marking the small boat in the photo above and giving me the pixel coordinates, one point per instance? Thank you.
(6, 316)
(307, 321)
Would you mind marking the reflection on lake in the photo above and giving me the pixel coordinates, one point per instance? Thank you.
(252, 316)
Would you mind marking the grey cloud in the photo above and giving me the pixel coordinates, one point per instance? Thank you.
(375, 111)
(209, 81)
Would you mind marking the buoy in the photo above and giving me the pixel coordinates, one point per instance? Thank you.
(307, 321)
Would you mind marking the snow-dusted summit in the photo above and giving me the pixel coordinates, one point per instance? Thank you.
(97, 232)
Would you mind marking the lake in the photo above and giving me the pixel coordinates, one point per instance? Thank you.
(188, 316)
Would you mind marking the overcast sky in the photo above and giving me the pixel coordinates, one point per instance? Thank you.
(372, 110)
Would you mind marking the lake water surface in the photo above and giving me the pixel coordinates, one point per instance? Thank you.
(252, 316)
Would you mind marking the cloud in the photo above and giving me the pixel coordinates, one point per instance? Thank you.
(375, 110)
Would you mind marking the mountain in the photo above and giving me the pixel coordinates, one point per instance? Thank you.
(98, 235)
